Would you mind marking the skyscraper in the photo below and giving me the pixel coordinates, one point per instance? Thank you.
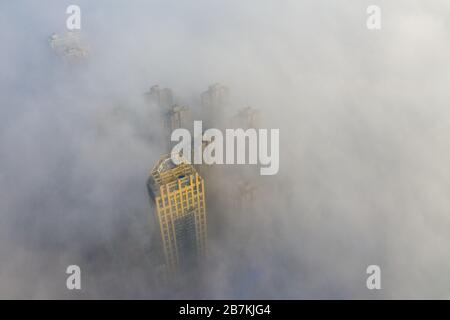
(161, 97)
(177, 194)
(214, 101)
(179, 117)
(246, 118)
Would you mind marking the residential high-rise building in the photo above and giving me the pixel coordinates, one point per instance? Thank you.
(177, 194)
(247, 118)
(179, 117)
(161, 97)
(214, 102)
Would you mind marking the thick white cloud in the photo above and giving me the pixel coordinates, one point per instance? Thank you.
(364, 125)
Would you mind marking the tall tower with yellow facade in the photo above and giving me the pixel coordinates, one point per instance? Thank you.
(177, 194)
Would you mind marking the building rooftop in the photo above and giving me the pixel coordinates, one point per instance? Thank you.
(167, 173)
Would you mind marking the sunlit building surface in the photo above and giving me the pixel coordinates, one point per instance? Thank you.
(177, 193)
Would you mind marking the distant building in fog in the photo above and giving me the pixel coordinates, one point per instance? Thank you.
(247, 118)
(69, 46)
(177, 194)
(179, 117)
(214, 102)
(161, 97)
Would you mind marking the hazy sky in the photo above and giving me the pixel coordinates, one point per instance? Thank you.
(365, 146)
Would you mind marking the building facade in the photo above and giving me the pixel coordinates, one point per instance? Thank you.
(177, 194)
